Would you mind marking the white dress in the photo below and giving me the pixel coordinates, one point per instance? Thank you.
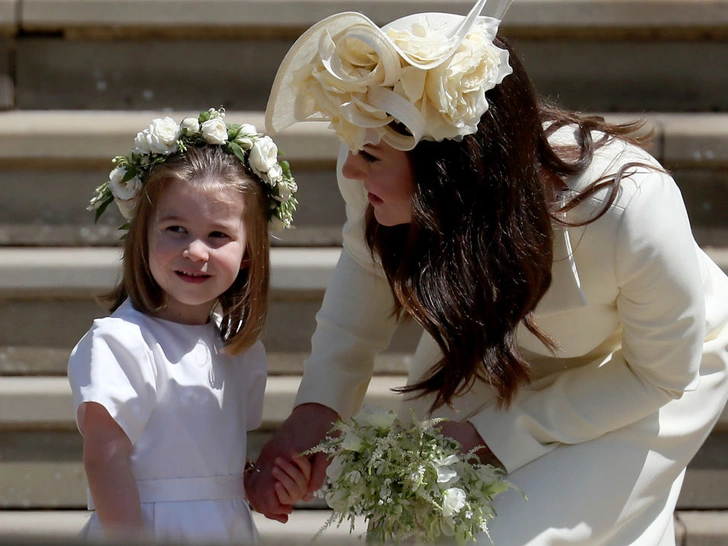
(186, 408)
(599, 441)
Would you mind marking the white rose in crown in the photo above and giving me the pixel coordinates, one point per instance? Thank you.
(126, 207)
(284, 192)
(263, 157)
(159, 138)
(120, 189)
(214, 131)
(190, 126)
(247, 135)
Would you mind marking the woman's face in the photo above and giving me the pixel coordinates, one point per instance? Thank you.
(387, 177)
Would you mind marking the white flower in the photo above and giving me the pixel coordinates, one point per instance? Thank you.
(126, 207)
(333, 471)
(119, 188)
(214, 131)
(351, 441)
(375, 416)
(455, 90)
(246, 136)
(453, 500)
(190, 126)
(445, 473)
(159, 138)
(284, 191)
(263, 155)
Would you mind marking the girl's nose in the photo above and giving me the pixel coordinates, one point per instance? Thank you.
(196, 251)
(352, 167)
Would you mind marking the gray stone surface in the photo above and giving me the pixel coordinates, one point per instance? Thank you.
(527, 14)
(708, 528)
(8, 17)
(614, 75)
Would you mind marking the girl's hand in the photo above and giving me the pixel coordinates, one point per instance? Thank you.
(292, 478)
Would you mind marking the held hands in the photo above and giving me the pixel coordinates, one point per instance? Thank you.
(307, 425)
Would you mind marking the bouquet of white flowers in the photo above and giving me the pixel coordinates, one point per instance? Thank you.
(407, 480)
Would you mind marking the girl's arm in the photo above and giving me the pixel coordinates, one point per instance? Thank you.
(106, 452)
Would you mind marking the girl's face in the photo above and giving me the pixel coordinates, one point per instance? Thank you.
(387, 177)
(197, 243)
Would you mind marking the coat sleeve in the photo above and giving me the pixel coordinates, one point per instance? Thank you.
(661, 310)
(355, 321)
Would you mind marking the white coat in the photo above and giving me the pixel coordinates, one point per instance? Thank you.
(599, 441)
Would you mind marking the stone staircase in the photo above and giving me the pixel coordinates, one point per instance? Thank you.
(79, 78)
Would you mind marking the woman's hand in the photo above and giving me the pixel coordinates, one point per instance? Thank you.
(307, 425)
(465, 434)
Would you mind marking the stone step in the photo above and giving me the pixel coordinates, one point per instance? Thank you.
(168, 17)
(38, 527)
(121, 55)
(40, 452)
(48, 527)
(51, 161)
(46, 301)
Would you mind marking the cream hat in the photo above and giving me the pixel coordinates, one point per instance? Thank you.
(425, 73)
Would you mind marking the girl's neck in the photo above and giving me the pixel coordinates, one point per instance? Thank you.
(193, 316)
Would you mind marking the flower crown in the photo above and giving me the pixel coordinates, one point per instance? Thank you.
(165, 137)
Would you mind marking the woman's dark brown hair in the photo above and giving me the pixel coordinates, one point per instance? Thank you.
(476, 258)
(244, 305)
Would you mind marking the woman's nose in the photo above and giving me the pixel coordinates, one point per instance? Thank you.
(196, 251)
(351, 168)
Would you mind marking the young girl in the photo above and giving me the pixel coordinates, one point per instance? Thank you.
(165, 390)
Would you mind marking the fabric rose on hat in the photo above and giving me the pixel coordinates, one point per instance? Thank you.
(360, 81)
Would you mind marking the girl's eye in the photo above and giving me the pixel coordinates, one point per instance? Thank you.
(176, 229)
(218, 235)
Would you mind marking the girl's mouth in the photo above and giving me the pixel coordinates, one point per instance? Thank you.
(194, 278)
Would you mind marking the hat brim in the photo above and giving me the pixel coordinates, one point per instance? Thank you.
(281, 109)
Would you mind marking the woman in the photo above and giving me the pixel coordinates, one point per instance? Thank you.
(571, 323)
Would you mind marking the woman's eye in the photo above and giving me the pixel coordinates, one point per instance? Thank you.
(366, 156)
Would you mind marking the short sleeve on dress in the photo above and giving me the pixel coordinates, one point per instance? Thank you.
(111, 365)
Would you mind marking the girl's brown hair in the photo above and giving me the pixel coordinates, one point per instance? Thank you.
(476, 258)
(244, 305)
